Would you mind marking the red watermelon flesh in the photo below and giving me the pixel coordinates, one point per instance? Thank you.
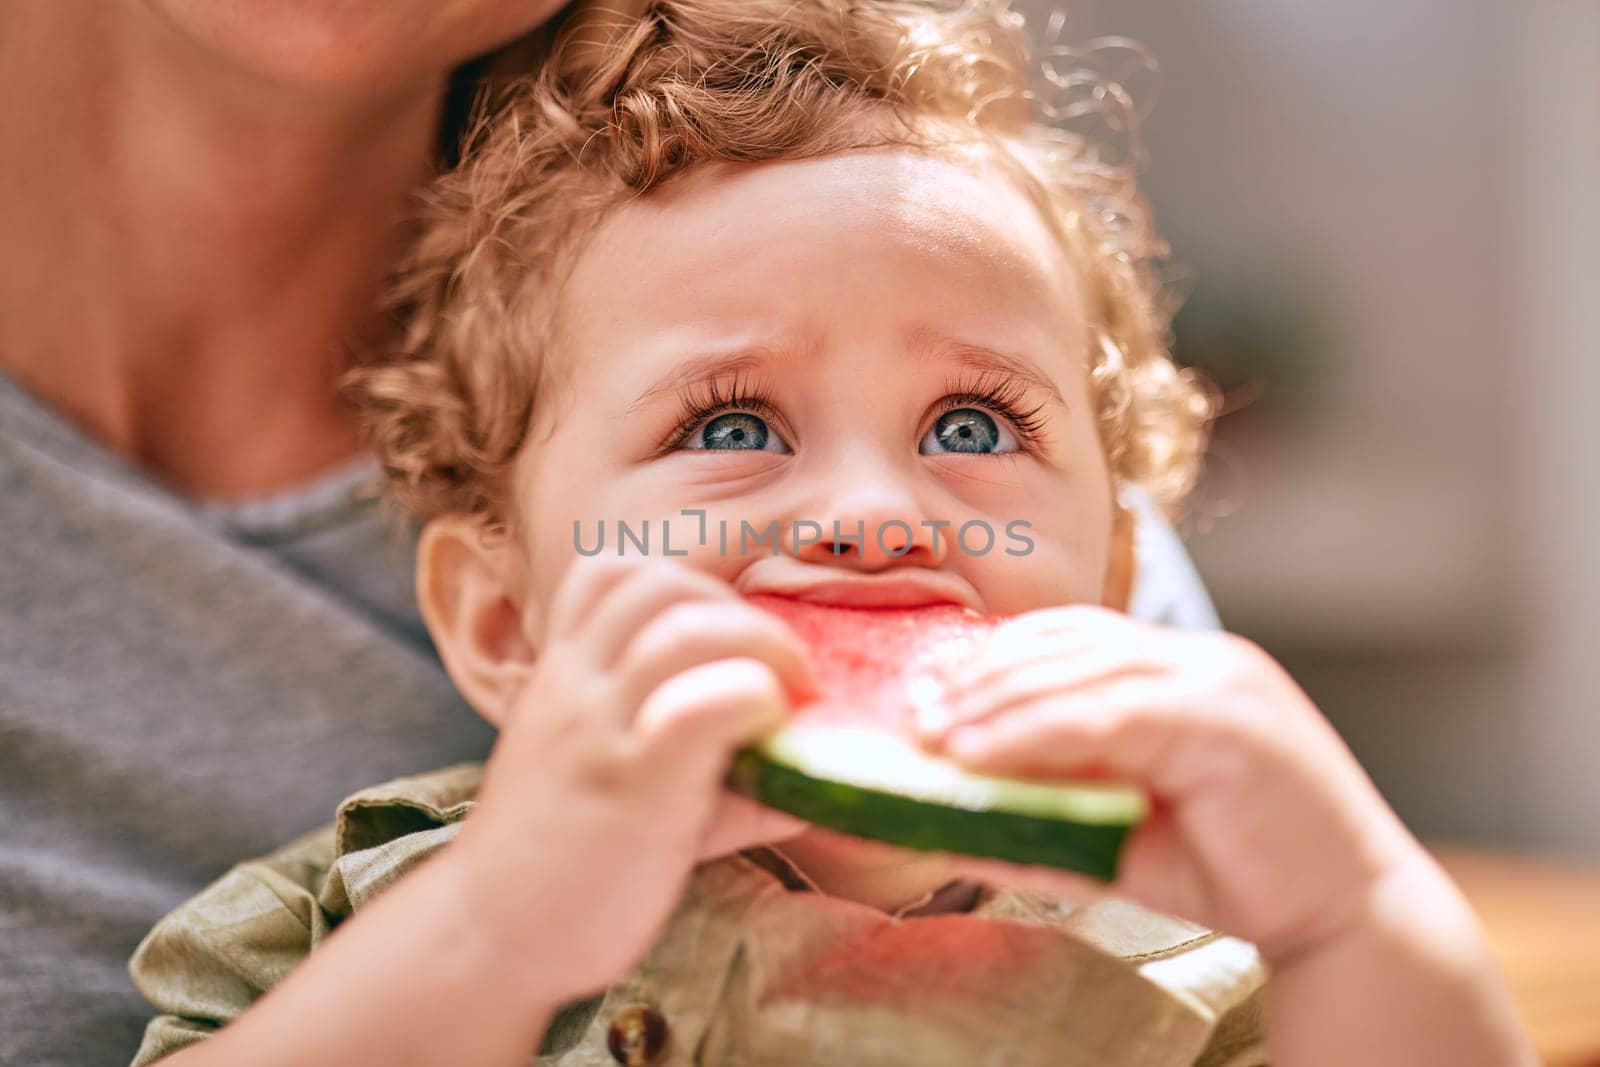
(876, 666)
(847, 759)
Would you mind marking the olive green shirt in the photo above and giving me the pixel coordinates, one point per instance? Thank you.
(753, 968)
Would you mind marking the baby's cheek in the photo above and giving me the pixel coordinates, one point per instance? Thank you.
(1053, 531)
(1031, 568)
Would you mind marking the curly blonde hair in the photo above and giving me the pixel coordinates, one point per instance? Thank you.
(618, 109)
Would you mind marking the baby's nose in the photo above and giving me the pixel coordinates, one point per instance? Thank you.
(872, 531)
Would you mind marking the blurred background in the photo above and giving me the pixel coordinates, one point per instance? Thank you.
(1390, 214)
(1389, 219)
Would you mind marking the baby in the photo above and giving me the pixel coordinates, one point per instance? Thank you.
(808, 266)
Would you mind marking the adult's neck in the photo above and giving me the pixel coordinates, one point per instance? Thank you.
(188, 252)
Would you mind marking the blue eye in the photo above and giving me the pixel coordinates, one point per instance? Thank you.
(736, 431)
(967, 430)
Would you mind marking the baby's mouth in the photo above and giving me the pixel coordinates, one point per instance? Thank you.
(900, 587)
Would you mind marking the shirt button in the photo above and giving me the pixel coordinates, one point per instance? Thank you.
(637, 1035)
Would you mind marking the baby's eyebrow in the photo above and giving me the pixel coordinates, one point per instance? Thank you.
(707, 367)
(921, 344)
(925, 344)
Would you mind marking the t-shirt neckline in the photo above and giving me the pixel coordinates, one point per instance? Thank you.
(328, 497)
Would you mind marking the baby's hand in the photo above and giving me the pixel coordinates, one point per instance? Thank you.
(1263, 823)
(605, 786)
(1263, 826)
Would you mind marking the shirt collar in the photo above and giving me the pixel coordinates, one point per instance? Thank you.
(382, 813)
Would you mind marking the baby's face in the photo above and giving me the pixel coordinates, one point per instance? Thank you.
(878, 340)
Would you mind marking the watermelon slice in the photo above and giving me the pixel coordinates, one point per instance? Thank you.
(848, 760)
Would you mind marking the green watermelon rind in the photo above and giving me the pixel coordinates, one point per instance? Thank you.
(870, 783)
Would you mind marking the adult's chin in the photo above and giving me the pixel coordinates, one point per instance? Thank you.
(354, 46)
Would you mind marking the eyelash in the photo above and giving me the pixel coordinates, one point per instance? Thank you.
(1002, 394)
(999, 393)
(715, 397)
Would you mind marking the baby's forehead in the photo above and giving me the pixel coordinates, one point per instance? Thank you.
(959, 192)
(753, 236)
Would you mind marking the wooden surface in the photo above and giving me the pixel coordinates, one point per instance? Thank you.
(1543, 923)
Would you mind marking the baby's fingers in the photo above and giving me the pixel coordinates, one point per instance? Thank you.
(1170, 756)
(1060, 651)
(1028, 682)
(685, 738)
(1179, 712)
(690, 726)
(1117, 729)
(696, 632)
(586, 583)
(652, 590)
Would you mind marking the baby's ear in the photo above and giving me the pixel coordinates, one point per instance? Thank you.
(1122, 561)
(470, 587)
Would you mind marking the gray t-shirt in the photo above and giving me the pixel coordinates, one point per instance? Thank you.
(181, 686)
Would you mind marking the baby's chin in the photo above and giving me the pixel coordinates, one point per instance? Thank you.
(878, 875)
